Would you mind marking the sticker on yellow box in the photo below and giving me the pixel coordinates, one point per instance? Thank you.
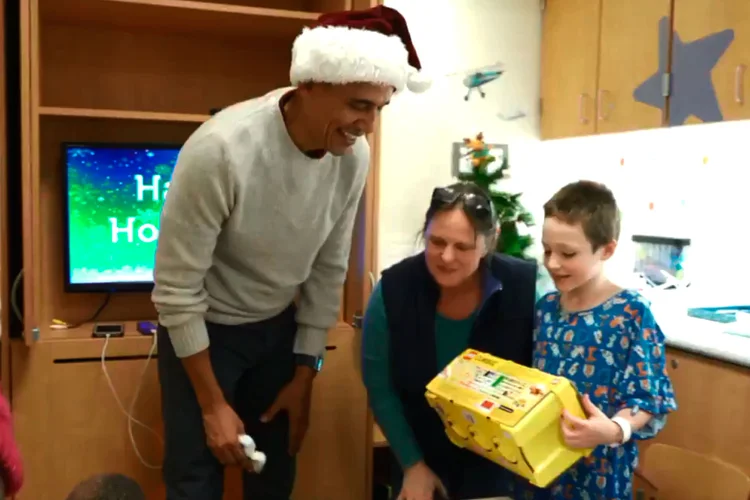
(507, 413)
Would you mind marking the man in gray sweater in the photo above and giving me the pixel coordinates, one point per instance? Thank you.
(261, 207)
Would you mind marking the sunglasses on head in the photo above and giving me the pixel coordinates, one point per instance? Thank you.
(478, 206)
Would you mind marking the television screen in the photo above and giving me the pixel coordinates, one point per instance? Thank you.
(114, 194)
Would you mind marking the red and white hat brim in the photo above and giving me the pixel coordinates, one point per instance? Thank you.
(340, 55)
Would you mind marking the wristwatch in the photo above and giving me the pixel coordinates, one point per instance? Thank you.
(314, 362)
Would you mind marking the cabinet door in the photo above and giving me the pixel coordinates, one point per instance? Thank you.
(5, 310)
(719, 66)
(711, 397)
(333, 461)
(29, 167)
(570, 51)
(629, 57)
(65, 407)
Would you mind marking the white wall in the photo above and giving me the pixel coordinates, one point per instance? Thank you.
(418, 130)
(696, 176)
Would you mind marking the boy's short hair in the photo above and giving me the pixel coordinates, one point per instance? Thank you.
(590, 204)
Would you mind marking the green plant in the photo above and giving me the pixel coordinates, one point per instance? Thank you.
(509, 210)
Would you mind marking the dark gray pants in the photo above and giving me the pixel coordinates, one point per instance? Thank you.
(252, 362)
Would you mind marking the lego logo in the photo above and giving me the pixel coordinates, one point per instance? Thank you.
(487, 404)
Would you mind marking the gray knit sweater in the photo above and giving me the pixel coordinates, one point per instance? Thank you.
(249, 220)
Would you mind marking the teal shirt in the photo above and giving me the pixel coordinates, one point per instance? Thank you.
(451, 339)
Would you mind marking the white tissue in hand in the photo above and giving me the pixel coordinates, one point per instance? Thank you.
(247, 443)
(259, 460)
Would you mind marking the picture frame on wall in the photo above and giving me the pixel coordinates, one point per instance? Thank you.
(461, 161)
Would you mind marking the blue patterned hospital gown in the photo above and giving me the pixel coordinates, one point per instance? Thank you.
(615, 354)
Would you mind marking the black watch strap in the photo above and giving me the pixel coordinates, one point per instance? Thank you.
(314, 362)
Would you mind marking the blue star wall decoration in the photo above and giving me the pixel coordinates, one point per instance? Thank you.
(692, 91)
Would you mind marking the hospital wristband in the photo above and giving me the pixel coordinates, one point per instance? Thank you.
(627, 430)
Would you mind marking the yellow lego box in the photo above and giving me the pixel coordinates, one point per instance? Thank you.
(507, 413)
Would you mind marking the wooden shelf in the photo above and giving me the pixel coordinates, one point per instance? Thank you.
(185, 16)
(83, 332)
(78, 344)
(116, 114)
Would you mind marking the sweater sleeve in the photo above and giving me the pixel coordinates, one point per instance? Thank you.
(385, 403)
(199, 200)
(320, 297)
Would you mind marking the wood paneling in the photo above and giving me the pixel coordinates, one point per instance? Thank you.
(110, 71)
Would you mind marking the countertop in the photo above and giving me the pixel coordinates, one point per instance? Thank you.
(695, 335)
(705, 338)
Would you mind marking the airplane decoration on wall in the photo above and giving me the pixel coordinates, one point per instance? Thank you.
(475, 79)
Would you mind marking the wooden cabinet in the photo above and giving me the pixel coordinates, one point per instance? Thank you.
(696, 19)
(337, 438)
(713, 398)
(594, 54)
(149, 71)
(6, 267)
(68, 404)
(570, 52)
(4, 284)
(68, 423)
(629, 55)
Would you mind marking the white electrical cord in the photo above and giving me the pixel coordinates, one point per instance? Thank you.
(129, 414)
(13, 296)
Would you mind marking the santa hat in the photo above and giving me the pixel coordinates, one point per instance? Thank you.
(365, 46)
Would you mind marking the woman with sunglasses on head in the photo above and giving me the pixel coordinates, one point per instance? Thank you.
(424, 312)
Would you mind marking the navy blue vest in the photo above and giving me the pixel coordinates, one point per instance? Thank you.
(503, 327)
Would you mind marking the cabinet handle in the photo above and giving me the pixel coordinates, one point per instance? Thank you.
(581, 108)
(600, 105)
(739, 77)
(675, 363)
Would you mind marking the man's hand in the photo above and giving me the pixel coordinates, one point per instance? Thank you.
(595, 430)
(294, 398)
(223, 429)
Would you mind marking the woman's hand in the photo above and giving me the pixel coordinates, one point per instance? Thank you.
(595, 430)
(420, 483)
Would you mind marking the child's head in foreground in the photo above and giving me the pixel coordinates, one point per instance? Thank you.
(581, 228)
(107, 487)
